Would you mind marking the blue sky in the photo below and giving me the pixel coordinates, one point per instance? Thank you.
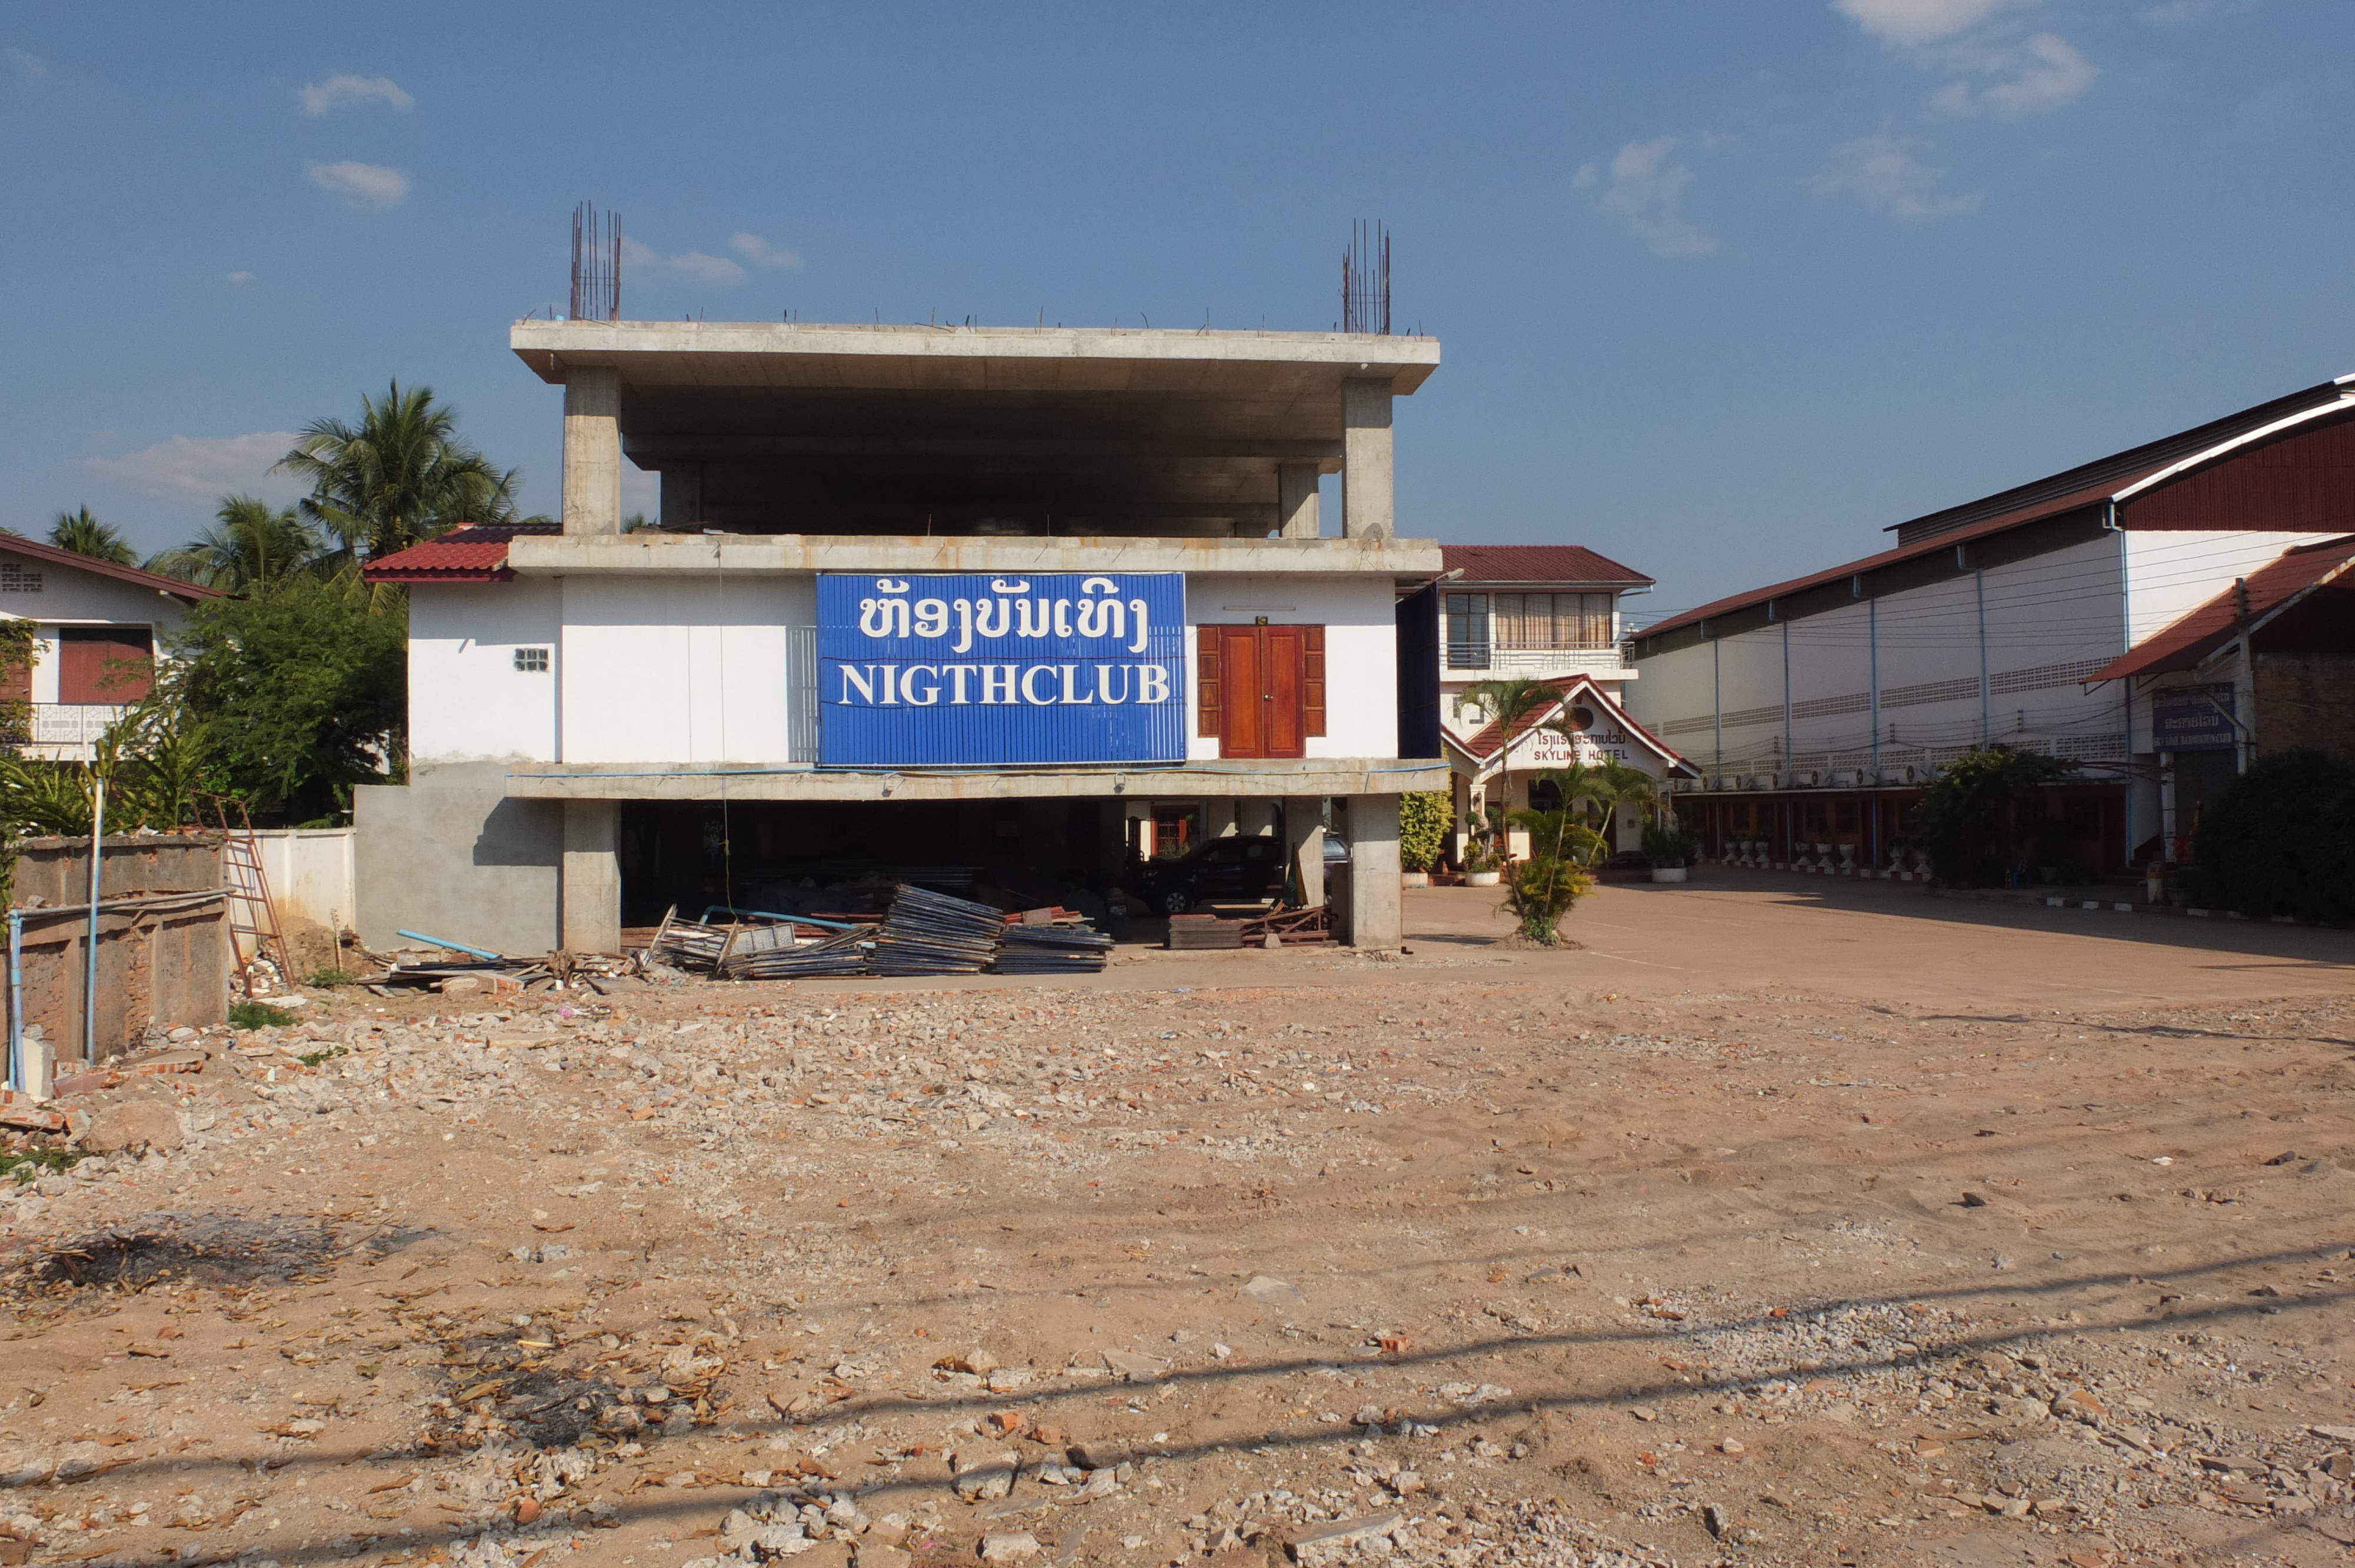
(1723, 290)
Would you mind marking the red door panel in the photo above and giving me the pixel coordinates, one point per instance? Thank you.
(1283, 692)
(1239, 676)
(104, 663)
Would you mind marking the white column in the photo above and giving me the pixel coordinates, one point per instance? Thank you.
(1367, 507)
(591, 888)
(593, 449)
(1297, 505)
(1374, 918)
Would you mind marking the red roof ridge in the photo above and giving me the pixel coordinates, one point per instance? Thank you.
(1536, 563)
(58, 554)
(1487, 745)
(2183, 642)
(469, 551)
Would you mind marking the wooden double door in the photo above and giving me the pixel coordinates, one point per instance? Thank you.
(1262, 688)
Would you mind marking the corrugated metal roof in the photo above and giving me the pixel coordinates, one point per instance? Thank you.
(33, 549)
(1536, 563)
(470, 553)
(2184, 644)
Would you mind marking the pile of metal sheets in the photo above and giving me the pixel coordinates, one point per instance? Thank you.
(767, 952)
(932, 934)
(1051, 950)
(690, 945)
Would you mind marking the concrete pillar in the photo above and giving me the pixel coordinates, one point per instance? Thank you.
(682, 496)
(1367, 511)
(1303, 840)
(1374, 919)
(591, 885)
(593, 449)
(1218, 817)
(1296, 506)
(1255, 818)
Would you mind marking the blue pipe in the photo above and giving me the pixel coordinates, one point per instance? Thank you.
(15, 998)
(454, 947)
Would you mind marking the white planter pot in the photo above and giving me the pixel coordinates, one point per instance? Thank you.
(1483, 878)
(1415, 879)
(1668, 873)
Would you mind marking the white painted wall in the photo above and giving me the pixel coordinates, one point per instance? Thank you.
(694, 669)
(312, 874)
(2170, 574)
(1361, 621)
(466, 699)
(672, 670)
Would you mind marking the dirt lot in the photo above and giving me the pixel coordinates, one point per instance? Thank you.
(1778, 1223)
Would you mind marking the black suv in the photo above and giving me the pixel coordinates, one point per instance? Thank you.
(1232, 870)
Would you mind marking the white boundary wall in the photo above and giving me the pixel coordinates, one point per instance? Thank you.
(313, 874)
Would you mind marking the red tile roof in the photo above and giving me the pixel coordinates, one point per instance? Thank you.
(1536, 563)
(2274, 586)
(470, 553)
(1485, 746)
(34, 550)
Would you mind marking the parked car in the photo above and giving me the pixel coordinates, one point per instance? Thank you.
(1237, 869)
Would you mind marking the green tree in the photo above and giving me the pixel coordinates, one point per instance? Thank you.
(2280, 840)
(1506, 702)
(85, 535)
(1605, 786)
(1963, 818)
(294, 694)
(248, 546)
(398, 476)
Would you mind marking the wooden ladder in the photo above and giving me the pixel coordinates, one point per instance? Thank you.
(252, 914)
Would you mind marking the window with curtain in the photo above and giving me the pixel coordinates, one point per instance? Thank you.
(1468, 630)
(1547, 620)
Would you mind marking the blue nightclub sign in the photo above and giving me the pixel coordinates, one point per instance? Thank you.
(975, 671)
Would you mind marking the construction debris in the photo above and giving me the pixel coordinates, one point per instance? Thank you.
(927, 933)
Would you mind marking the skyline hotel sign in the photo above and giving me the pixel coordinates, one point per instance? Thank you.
(970, 669)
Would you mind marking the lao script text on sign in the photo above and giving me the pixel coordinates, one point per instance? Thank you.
(973, 671)
(2193, 718)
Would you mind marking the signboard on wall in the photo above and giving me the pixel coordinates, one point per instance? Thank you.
(1599, 737)
(2193, 718)
(973, 671)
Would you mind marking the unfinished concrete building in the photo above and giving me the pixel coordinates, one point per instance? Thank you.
(959, 604)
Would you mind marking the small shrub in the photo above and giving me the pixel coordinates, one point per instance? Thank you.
(313, 1058)
(1670, 843)
(28, 1165)
(1966, 812)
(1424, 817)
(1539, 891)
(247, 1014)
(332, 977)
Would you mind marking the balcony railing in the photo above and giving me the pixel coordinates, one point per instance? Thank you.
(1477, 660)
(69, 724)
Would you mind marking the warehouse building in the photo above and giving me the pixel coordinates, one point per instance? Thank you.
(982, 607)
(2071, 615)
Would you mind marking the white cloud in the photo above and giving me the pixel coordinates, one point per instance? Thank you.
(1644, 184)
(362, 185)
(755, 248)
(343, 89)
(29, 68)
(639, 257)
(203, 468)
(240, 276)
(1881, 170)
(1919, 21)
(2053, 73)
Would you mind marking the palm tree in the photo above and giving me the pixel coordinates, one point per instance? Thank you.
(250, 546)
(399, 475)
(86, 536)
(1507, 701)
(1605, 785)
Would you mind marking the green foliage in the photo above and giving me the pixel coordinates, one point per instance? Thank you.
(1424, 816)
(247, 1014)
(398, 476)
(2281, 840)
(1667, 842)
(313, 1058)
(250, 546)
(294, 694)
(28, 1165)
(1538, 892)
(85, 535)
(1965, 818)
(152, 772)
(1506, 702)
(1481, 855)
(332, 977)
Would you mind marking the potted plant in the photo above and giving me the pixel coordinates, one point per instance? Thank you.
(1424, 817)
(1670, 847)
(1480, 866)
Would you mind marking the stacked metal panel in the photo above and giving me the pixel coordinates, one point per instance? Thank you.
(1051, 950)
(845, 954)
(932, 934)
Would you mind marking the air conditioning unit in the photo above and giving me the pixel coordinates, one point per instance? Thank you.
(1904, 775)
(1757, 781)
(1845, 778)
(1806, 777)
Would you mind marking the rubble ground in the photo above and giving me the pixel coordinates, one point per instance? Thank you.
(1432, 1263)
